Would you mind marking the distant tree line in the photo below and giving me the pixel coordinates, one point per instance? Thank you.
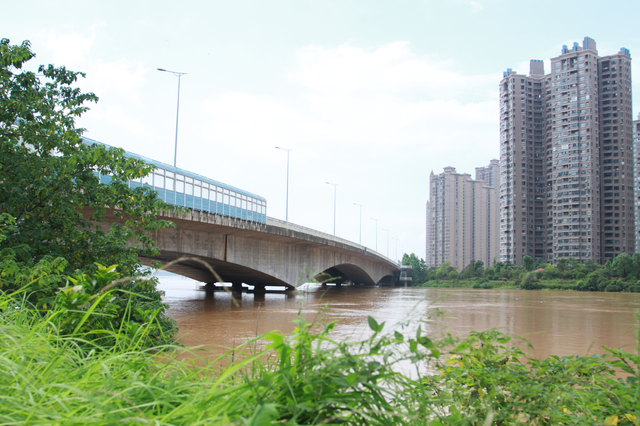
(620, 274)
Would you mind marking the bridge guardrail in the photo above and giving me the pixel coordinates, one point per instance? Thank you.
(292, 226)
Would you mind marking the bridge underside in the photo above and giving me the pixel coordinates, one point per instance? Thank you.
(212, 271)
(341, 274)
(261, 255)
(197, 268)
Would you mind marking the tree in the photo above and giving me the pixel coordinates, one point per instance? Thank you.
(418, 267)
(636, 265)
(479, 268)
(550, 272)
(444, 269)
(527, 262)
(52, 203)
(591, 265)
(468, 271)
(561, 267)
(623, 265)
(48, 179)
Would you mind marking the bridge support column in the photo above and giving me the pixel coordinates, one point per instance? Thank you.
(259, 289)
(236, 286)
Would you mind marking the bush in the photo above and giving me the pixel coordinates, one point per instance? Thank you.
(99, 307)
(528, 282)
(613, 287)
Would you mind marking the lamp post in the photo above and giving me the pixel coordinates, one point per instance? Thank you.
(376, 232)
(387, 231)
(287, 202)
(335, 185)
(177, 74)
(360, 237)
(396, 240)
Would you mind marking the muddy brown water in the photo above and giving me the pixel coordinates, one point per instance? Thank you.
(555, 322)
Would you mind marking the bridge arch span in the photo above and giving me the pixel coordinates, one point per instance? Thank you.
(194, 267)
(344, 272)
(272, 254)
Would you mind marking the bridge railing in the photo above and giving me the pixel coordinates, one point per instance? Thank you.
(292, 226)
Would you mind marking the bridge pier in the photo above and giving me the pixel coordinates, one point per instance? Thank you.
(236, 286)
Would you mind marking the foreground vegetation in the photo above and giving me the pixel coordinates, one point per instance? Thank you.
(50, 374)
(621, 274)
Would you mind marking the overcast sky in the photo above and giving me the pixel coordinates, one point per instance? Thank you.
(371, 95)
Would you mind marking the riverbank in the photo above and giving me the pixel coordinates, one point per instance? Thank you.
(501, 284)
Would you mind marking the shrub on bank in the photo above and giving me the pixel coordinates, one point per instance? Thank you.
(622, 274)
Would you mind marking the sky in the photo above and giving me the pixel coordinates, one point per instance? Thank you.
(369, 95)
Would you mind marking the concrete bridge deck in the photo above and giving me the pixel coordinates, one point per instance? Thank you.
(273, 254)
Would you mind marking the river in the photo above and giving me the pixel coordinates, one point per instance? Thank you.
(555, 322)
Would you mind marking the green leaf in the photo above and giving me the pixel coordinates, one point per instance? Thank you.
(262, 415)
(352, 377)
(373, 324)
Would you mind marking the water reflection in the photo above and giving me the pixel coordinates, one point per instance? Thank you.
(556, 322)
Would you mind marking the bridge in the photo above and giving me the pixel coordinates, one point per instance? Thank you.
(271, 254)
(265, 255)
(228, 229)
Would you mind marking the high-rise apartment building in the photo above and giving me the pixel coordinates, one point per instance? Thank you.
(462, 220)
(489, 174)
(426, 253)
(636, 180)
(566, 182)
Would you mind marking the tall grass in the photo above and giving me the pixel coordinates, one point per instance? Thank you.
(50, 376)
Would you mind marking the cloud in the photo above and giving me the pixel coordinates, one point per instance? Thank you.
(75, 50)
(67, 49)
(391, 69)
(474, 6)
(353, 98)
(125, 78)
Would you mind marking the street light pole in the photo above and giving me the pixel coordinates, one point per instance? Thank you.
(177, 74)
(387, 231)
(335, 185)
(376, 232)
(360, 237)
(396, 247)
(287, 202)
